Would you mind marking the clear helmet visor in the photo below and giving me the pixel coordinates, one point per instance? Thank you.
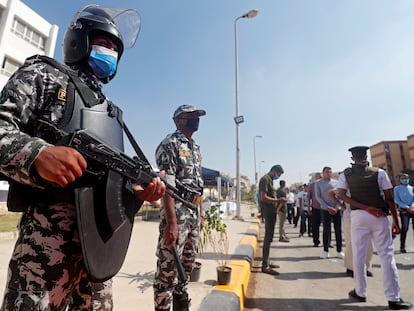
(127, 21)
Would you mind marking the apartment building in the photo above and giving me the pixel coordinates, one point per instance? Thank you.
(23, 33)
(392, 156)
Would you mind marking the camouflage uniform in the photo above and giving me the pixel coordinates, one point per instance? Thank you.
(46, 270)
(181, 159)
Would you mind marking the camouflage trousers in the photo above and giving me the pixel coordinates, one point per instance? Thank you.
(46, 270)
(166, 277)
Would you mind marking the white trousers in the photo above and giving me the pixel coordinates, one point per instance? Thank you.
(346, 223)
(365, 227)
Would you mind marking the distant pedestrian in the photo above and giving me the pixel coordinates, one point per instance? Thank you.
(305, 224)
(314, 211)
(369, 221)
(296, 213)
(269, 202)
(331, 211)
(282, 211)
(290, 204)
(404, 198)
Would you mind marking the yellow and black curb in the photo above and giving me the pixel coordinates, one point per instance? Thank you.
(231, 297)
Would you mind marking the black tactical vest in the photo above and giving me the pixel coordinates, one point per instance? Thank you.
(363, 186)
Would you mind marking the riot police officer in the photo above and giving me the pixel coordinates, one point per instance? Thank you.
(51, 266)
(179, 156)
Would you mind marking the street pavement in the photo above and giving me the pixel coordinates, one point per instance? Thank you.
(132, 287)
(307, 282)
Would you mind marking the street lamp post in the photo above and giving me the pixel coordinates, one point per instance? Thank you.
(254, 155)
(260, 167)
(239, 119)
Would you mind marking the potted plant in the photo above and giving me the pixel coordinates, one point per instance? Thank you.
(214, 234)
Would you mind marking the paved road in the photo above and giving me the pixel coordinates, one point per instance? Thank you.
(307, 282)
(133, 284)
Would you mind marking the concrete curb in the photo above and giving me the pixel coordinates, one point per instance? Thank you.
(231, 297)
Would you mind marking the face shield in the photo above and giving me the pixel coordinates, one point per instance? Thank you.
(127, 21)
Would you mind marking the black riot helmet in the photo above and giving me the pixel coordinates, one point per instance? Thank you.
(121, 25)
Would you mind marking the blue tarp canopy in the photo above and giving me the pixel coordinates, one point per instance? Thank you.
(210, 177)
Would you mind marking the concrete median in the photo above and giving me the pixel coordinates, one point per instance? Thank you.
(230, 297)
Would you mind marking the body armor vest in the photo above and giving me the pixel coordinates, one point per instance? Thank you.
(105, 202)
(363, 186)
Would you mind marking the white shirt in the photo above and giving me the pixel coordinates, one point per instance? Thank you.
(290, 197)
(384, 181)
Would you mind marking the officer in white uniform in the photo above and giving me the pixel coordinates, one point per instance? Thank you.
(369, 221)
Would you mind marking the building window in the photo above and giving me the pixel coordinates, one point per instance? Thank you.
(29, 34)
(9, 66)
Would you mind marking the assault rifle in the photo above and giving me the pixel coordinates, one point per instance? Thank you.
(137, 170)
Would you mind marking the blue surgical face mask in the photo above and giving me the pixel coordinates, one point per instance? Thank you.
(404, 181)
(103, 61)
(275, 177)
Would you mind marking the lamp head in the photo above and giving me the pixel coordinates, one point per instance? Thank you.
(251, 13)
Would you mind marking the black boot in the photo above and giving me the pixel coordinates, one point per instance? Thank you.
(181, 302)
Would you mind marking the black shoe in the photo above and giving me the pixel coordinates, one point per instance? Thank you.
(330, 246)
(370, 274)
(350, 273)
(399, 305)
(403, 250)
(353, 294)
(274, 266)
(316, 245)
(269, 270)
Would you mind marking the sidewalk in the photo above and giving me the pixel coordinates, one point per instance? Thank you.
(132, 287)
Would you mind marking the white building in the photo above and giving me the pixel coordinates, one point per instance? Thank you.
(23, 33)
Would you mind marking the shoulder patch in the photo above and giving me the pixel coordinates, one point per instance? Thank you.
(184, 153)
(61, 95)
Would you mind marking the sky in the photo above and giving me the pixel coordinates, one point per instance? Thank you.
(316, 77)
